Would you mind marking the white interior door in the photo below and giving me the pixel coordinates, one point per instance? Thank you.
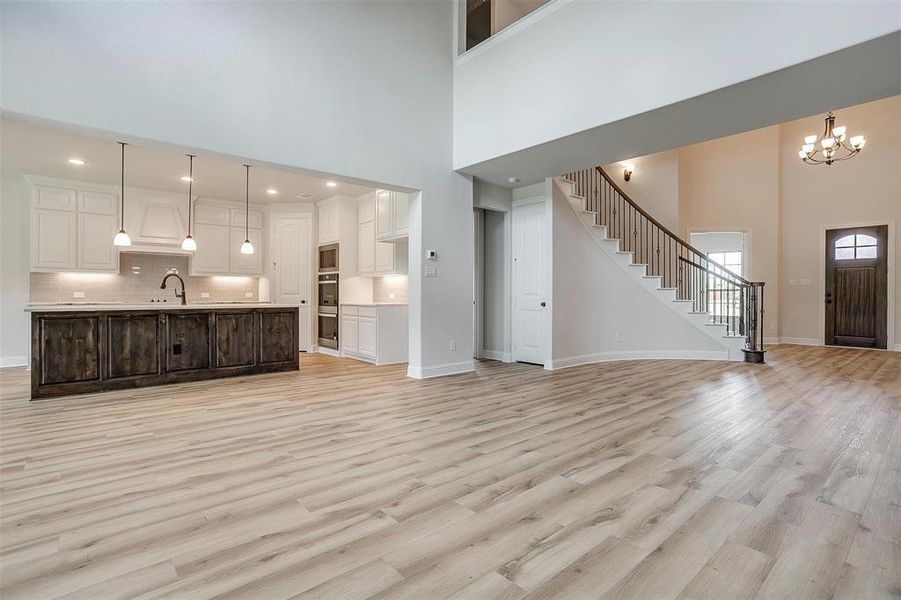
(290, 251)
(530, 285)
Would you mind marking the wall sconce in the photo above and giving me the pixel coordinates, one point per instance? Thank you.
(627, 172)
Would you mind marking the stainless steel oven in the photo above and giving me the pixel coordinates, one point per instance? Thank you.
(328, 327)
(328, 258)
(328, 310)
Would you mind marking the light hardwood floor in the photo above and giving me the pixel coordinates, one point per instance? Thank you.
(640, 480)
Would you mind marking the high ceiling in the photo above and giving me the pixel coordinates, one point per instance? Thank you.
(29, 149)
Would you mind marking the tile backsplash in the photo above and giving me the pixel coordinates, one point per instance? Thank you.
(138, 281)
(390, 289)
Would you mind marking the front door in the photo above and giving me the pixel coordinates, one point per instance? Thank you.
(530, 286)
(856, 286)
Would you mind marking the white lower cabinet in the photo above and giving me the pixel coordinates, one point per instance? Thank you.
(374, 333)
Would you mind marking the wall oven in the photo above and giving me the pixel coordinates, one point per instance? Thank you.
(328, 258)
(328, 310)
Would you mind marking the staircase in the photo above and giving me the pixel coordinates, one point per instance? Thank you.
(727, 306)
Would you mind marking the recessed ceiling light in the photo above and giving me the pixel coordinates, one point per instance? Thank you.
(187, 178)
(512, 179)
(331, 184)
(271, 191)
(76, 161)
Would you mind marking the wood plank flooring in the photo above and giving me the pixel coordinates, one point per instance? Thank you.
(645, 480)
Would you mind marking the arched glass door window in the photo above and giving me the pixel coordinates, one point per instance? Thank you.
(851, 247)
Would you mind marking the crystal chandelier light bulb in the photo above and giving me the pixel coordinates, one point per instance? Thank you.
(810, 139)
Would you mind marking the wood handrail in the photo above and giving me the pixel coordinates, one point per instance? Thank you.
(662, 227)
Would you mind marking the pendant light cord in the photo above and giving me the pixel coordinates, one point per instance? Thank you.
(246, 203)
(122, 190)
(190, 188)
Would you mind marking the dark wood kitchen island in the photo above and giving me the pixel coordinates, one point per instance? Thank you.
(91, 348)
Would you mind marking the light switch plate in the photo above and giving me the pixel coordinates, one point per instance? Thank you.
(78, 294)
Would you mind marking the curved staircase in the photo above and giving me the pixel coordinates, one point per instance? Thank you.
(725, 306)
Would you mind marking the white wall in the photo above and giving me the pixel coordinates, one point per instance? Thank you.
(15, 339)
(594, 300)
(653, 54)
(654, 184)
(358, 89)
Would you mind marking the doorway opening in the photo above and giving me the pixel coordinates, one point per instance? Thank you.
(856, 287)
(491, 285)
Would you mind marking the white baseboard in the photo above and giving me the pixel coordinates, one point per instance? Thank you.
(897, 348)
(13, 361)
(771, 341)
(329, 351)
(573, 361)
(465, 366)
(799, 341)
(497, 355)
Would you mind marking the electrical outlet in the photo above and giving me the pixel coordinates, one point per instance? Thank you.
(78, 294)
(431, 271)
(248, 294)
(390, 295)
(618, 338)
(453, 344)
(204, 294)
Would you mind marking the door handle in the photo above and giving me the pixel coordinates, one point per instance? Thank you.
(543, 304)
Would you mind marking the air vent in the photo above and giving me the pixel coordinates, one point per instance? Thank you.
(305, 195)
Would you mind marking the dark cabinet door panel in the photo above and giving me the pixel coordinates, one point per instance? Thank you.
(235, 343)
(134, 345)
(189, 342)
(69, 349)
(278, 330)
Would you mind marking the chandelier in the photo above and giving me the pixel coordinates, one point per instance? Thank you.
(831, 146)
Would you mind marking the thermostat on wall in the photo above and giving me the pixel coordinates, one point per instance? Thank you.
(431, 254)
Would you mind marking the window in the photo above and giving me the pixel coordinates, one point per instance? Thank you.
(723, 296)
(850, 247)
(730, 260)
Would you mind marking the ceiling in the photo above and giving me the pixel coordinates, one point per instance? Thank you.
(29, 149)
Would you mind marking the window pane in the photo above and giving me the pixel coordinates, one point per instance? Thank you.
(866, 240)
(866, 251)
(846, 241)
(844, 253)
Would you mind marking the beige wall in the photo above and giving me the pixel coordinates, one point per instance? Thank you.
(654, 185)
(732, 184)
(863, 190)
(754, 181)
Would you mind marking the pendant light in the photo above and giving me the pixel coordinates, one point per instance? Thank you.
(122, 238)
(246, 247)
(188, 243)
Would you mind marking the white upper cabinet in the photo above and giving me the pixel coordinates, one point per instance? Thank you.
(366, 248)
(213, 254)
(246, 264)
(72, 226)
(392, 215)
(384, 214)
(53, 240)
(328, 222)
(219, 232)
(377, 215)
(95, 242)
(55, 198)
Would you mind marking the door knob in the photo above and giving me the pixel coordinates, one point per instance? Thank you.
(543, 303)
(303, 301)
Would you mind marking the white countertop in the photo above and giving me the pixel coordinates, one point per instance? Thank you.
(100, 307)
(372, 304)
